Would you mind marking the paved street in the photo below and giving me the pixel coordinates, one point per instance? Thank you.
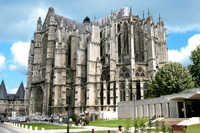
(8, 129)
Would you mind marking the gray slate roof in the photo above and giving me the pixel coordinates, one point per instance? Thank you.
(20, 92)
(116, 14)
(5, 96)
(3, 92)
(69, 23)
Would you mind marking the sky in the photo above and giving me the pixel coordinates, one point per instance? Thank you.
(18, 20)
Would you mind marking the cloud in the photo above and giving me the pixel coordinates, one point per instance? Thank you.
(183, 54)
(2, 62)
(19, 23)
(20, 52)
(12, 91)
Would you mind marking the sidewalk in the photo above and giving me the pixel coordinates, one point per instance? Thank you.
(85, 128)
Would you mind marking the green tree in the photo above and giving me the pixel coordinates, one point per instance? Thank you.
(194, 68)
(171, 78)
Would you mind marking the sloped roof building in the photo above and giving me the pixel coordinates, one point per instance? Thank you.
(11, 102)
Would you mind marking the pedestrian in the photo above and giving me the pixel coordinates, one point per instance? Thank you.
(120, 129)
(60, 119)
(52, 119)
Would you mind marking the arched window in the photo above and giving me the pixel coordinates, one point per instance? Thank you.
(138, 91)
(122, 92)
(118, 28)
(130, 92)
(108, 93)
(140, 72)
(124, 72)
(126, 46)
(119, 45)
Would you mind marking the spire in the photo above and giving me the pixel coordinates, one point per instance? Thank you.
(143, 15)
(130, 10)
(111, 16)
(130, 14)
(148, 13)
(3, 92)
(20, 92)
(95, 20)
(39, 24)
(159, 18)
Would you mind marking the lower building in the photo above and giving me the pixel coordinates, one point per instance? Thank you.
(11, 102)
(182, 105)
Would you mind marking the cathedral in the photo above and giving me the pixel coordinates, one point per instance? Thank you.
(92, 65)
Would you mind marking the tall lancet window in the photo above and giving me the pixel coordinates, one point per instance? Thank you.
(126, 46)
(119, 39)
(122, 92)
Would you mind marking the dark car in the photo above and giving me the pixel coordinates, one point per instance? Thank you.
(4, 120)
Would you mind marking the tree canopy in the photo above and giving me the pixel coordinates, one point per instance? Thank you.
(194, 68)
(171, 78)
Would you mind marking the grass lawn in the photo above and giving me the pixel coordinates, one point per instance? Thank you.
(191, 129)
(48, 126)
(96, 132)
(114, 123)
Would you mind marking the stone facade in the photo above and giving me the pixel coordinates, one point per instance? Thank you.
(11, 102)
(100, 63)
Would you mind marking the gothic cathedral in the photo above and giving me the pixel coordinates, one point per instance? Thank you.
(92, 66)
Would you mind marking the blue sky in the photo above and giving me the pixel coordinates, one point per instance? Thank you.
(18, 23)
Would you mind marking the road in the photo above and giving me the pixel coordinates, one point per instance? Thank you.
(8, 129)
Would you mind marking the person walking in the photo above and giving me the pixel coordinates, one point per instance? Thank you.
(120, 129)
(52, 119)
(60, 119)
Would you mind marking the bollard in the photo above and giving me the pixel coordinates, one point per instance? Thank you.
(26, 127)
(22, 126)
(92, 130)
(36, 129)
(108, 131)
(42, 130)
(30, 128)
(19, 126)
(16, 125)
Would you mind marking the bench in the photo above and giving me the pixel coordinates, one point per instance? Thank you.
(178, 127)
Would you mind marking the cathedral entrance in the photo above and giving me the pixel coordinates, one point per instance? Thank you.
(38, 100)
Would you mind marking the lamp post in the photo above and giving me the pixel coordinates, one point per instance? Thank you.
(68, 94)
(134, 93)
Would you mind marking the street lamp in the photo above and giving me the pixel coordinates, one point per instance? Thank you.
(134, 93)
(68, 107)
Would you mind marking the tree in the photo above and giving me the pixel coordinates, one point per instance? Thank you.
(194, 69)
(171, 78)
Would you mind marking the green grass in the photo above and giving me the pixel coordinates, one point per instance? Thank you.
(96, 132)
(48, 126)
(191, 129)
(113, 123)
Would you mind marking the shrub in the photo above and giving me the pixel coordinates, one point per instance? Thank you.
(73, 117)
(163, 127)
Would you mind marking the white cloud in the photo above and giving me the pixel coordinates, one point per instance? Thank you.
(13, 91)
(2, 61)
(183, 54)
(22, 27)
(20, 52)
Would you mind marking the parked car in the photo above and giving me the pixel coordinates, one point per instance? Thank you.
(4, 120)
(46, 118)
(39, 118)
(24, 119)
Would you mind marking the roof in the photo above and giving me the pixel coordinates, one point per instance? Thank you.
(122, 12)
(3, 92)
(68, 22)
(20, 92)
(5, 96)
